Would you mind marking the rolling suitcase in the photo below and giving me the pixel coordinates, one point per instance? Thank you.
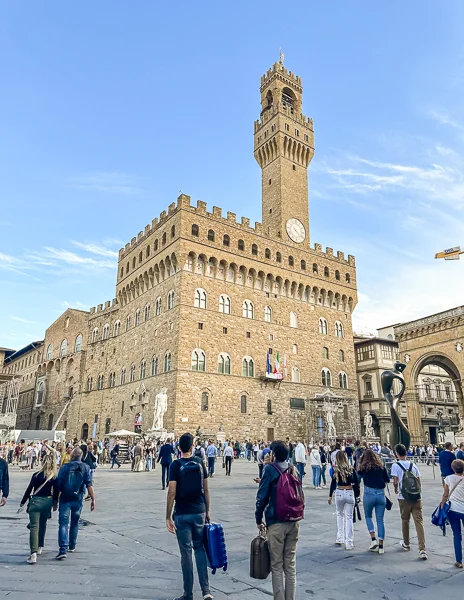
(215, 546)
(260, 559)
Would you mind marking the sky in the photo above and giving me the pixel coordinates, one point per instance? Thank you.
(109, 109)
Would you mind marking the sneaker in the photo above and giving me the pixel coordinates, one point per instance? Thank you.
(61, 556)
(71, 549)
(32, 559)
(208, 596)
(374, 545)
(338, 543)
(349, 546)
(423, 555)
(381, 550)
(405, 547)
(458, 565)
(40, 550)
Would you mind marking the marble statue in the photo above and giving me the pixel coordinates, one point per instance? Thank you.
(461, 424)
(370, 433)
(161, 406)
(399, 433)
(329, 415)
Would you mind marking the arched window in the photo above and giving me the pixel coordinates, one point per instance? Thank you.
(122, 378)
(78, 343)
(204, 401)
(112, 380)
(134, 262)
(226, 240)
(163, 239)
(154, 365)
(295, 349)
(267, 253)
(211, 236)
(140, 257)
(146, 312)
(122, 410)
(269, 406)
(343, 380)
(325, 353)
(147, 252)
(200, 297)
(248, 367)
(167, 362)
(278, 257)
(63, 347)
(40, 394)
(326, 377)
(267, 314)
(106, 331)
(326, 272)
(323, 326)
(143, 368)
(293, 319)
(173, 231)
(50, 422)
(243, 404)
(339, 329)
(315, 269)
(254, 250)
(225, 304)
(132, 373)
(195, 230)
(155, 246)
(291, 261)
(158, 307)
(171, 300)
(198, 360)
(347, 278)
(337, 275)
(303, 265)
(89, 384)
(128, 323)
(137, 317)
(101, 382)
(248, 309)
(224, 363)
(117, 328)
(241, 245)
(341, 356)
(95, 334)
(84, 432)
(295, 375)
(122, 272)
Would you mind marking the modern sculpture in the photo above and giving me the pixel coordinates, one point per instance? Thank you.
(399, 432)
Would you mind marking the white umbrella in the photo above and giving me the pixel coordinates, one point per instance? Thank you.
(121, 433)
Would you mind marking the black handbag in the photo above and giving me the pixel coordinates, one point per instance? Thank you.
(388, 502)
(356, 513)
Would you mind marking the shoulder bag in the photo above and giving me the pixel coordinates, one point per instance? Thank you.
(39, 503)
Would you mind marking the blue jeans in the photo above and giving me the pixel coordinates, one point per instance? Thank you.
(456, 520)
(316, 475)
(164, 475)
(189, 531)
(67, 536)
(323, 470)
(211, 462)
(374, 499)
(301, 469)
(115, 461)
(248, 454)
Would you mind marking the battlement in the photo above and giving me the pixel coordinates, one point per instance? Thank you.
(278, 69)
(278, 107)
(109, 305)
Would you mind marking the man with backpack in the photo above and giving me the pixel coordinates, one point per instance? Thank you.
(165, 458)
(73, 479)
(188, 494)
(280, 499)
(407, 483)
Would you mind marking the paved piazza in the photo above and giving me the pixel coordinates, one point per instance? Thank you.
(126, 552)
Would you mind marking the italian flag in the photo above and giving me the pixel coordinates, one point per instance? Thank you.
(277, 363)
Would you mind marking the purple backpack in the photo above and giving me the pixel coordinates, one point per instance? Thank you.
(290, 502)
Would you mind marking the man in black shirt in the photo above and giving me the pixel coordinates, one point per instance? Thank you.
(114, 455)
(165, 458)
(4, 481)
(188, 487)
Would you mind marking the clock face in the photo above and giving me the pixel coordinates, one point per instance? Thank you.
(296, 231)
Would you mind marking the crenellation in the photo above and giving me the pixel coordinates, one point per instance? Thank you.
(329, 252)
(171, 208)
(245, 222)
(154, 223)
(351, 260)
(147, 230)
(162, 217)
(217, 212)
(318, 248)
(201, 207)
(92, 310)
(99, 307)
(133, 241)
(341, 256)
(231, 217)
(259, 228)
(127, 247)
(121, 253)
(139, 236)
(183, 201)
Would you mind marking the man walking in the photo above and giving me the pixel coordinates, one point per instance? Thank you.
(165, 458)
(300, 459)
(114, 455)
(403, 472)
(73, 479)
(188, 488)
(445, 458)
(4, 481)
(228, 457)
(211, 453)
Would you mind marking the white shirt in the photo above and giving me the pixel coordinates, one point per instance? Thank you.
(315, 458)
(333, 457)
(228, 451)
(300, 453)
(457, 497)
(397, 471)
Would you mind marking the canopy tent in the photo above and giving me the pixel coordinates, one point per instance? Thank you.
(121, 433)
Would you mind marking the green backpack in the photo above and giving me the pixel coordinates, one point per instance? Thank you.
(410, 485)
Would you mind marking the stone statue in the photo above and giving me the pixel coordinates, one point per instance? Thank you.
(370, 433)
(161, 406)
(399, 433)
(331, 430)
(461, 424)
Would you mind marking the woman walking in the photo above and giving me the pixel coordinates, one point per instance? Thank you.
(228, 457)
(454, 491)
(323, 454)
(316, 464)
(42, 493)
(372, 470)
(345, 486)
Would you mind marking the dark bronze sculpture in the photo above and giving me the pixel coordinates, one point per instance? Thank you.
(399, 433)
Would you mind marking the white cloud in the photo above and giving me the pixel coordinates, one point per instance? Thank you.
(21, 320)
(113, 182)
(95, 249)
(444, 118)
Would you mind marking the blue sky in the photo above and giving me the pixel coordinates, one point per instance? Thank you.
(109, 109)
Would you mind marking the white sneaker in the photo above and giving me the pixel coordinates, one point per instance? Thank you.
(381, 550)
(374, 545)
(40, 550)
(349, 546)
(404, 546)
(32, 559)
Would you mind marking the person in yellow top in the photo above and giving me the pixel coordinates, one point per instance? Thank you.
(66, 456)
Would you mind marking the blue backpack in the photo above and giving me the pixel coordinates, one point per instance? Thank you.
(74, 484)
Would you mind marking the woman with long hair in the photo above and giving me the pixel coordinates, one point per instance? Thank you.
(345, 486)
(42, 494)
(454, 492)
(374, 474)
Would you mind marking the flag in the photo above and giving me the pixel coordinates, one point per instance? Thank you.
(268, 363)
(277, 363)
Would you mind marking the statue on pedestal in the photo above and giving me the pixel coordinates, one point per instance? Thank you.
(161, 406)
(329, 415)
(399, 433)
(370, 433)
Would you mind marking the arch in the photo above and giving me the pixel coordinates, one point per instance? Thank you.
(154, 365)
(200, 298)
(326, 377)
(337, 275)
(341, 356)
(63, 347)
(78, 343)
(303, 265)
(323, 326)
(195, 230)
(224, 364)
(293, 319)
(167, 362)
(268, 314)
(267, 253)
(248, 309)
(278, 257)
(291, 261)
(170, 299)
(326, 272)
(143, 368)
(198, 360)
(226, 241)
(325, 353)
(146, 312)
(49, 353)
(244, 403)
(95, 334)
(254, 249)
(117, 328)
(85, 432)
(339, 330)
(295, 375)
(50, 422)
(248, 367)
(106, 331)
(225, 305)
(211, 235)
(343, 380)
(205, 394)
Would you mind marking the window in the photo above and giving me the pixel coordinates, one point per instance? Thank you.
(117, 328)
(241, 245)
(293, 319)
(325, 353)
(438, 390)
(224, 330)
(200, 325)
(163, 239)
(106, 331)
(254, 250)
(267, 253)
(173, 231)
(89, 384)
(122, 378)
(147, 252)
(224, 363)
(297, 403)
(132, 373)
(137, 317)
(269, 406)
(248, 309)
(100, 382)
(343, 380)
(248, 334)
(122, 411)
(339, 329)
(226, 240)
(295, 349)
(204, 401)
(337, 275)
(315, 269)
(167, 362)
(95, 334)
(428, 391)
(155, 245)
(243, 404)
(295, 375)
(291, 261)
(303, 265)
(224, 304)
(122, 272)
(112, 380)
(368, 387)
(154, 365)
(268, 314)
(341, 356)
(171, 300)
(146, 312)
(347, 278)
(211, 236)
(448, 392)
(63, 347)
(200, 298)
(387, 352)
(364, 352)
(195, 230)
(198, 360)
(326, 377)
(40, 394)
(278, 257)
(158, 307)
(326, 272)
(248, 367)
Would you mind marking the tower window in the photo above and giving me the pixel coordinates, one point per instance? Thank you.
(173, 231)
(288, 99)
(337, 275)
(270, 181)
(297, 132)
(315, 269)
(254, 250)
(326, 271)
(211, 235)
(164, 238)
(303, 265)
(347, 278)
(287, 127)
(195, 230)
(306, 138)
(226, 240)
(267, 253)
(270, 211)
(294, 168)
(241, 245)
(291, 262)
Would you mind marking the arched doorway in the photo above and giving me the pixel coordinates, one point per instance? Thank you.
(85, 431)
(50, 422)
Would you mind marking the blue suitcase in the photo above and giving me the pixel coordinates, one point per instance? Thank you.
(215, 546)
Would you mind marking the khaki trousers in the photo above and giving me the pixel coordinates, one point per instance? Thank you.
(415, 509)
(282, 540)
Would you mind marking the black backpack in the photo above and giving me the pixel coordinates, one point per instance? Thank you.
(197, 452)
(410, 484)
(74, 485)
(190, 480)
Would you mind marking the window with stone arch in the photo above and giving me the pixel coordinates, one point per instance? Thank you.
(106, 331)
(267, 254)
(248, 367)
(337, 275)
(326, 272)
(325, 353)
(78, 343)
(137, 317)
(134, 262)
(315, 269)
(167, 362)
(278, 257)
(154, 365)
(211, 235)
(195, 230)
(155, 246)
(205, 400)
(225, 305)
(132, 372)
(339, 332)
(158, 307)
(173, 231)
(248, 310)
(147, 252)
(267, 314)
(163, 239)
(146, 312)
(241, 245)
(347, 278)
(122, 377)
(224, 364)
(343, 380)
(95, 334)
(291, 261)
(295, 349)
(143, 368)
(40, 397)
(199, 299)
(323, 326)
(244, 404)
(198, 360)
(63, 347)
(89, 384)
(295, 375)
(112, 380)
(303, 265)
(326, 377)
(128, 323)
(341, 356)
(100, 382)
(293, 320)
(226, 240)
(269, 406)
(116, 328)
(254, 249)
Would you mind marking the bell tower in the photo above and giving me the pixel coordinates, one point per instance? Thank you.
(283, 148)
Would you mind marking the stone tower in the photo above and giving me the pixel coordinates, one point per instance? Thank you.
(283, 148)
